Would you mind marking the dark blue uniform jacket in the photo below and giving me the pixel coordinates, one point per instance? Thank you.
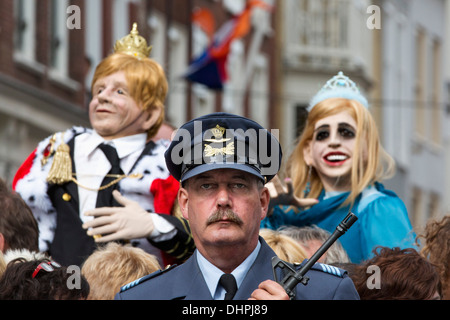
(186, 282)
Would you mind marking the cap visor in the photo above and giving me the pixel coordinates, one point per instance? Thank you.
(215, 166)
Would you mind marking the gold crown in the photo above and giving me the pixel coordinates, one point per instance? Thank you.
(218, 132)
(133, 44)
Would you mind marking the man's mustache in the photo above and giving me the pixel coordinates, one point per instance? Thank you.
(227, 214)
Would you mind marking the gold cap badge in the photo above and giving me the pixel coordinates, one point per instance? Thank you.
(218, 133)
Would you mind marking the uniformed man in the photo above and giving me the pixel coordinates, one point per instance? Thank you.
(223, 161)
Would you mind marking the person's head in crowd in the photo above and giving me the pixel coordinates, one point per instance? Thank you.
(18, 227)
(20, 255)
(24, 255)
(395, 274)
(41, 280)
(436, 248)
(166, 132)
(285, 247)
(311, 239)
(112, 266)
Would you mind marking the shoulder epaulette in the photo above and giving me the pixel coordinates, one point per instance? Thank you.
(335, 271)
(145, 278)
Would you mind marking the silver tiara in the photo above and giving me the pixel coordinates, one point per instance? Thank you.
(340, 86)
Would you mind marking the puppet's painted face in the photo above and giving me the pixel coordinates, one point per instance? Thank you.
(330, 151)
(113, 112)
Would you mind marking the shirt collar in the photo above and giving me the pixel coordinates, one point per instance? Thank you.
(127, 145)
(124, 145)
(212, 274)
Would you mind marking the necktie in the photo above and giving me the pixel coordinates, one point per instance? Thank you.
(228, 282)
(104, 197)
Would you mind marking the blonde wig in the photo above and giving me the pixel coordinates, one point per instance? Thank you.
(285, 247)
(145, 78)
(375, 166)
(112, 266)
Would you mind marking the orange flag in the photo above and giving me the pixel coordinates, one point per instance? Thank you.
(236, 28)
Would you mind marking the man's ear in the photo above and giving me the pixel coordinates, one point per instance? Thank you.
(183, 201)
(264, 199)
(152, 117)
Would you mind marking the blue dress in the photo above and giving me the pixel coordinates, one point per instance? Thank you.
(382, 221)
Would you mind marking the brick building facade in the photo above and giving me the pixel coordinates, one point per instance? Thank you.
(49, 50)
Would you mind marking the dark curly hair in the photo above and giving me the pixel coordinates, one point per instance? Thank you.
(17, 283)
(404, 275)
(436, 247)
(17, 223)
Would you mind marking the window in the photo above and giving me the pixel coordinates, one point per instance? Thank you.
(433, 206)
(24, 29)
(420, 82)
(301, 114)
(59, 45)
(59, 39)
(436, 93)
(259, 91)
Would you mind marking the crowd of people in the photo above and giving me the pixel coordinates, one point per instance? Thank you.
(391, 273)
(117, 212)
